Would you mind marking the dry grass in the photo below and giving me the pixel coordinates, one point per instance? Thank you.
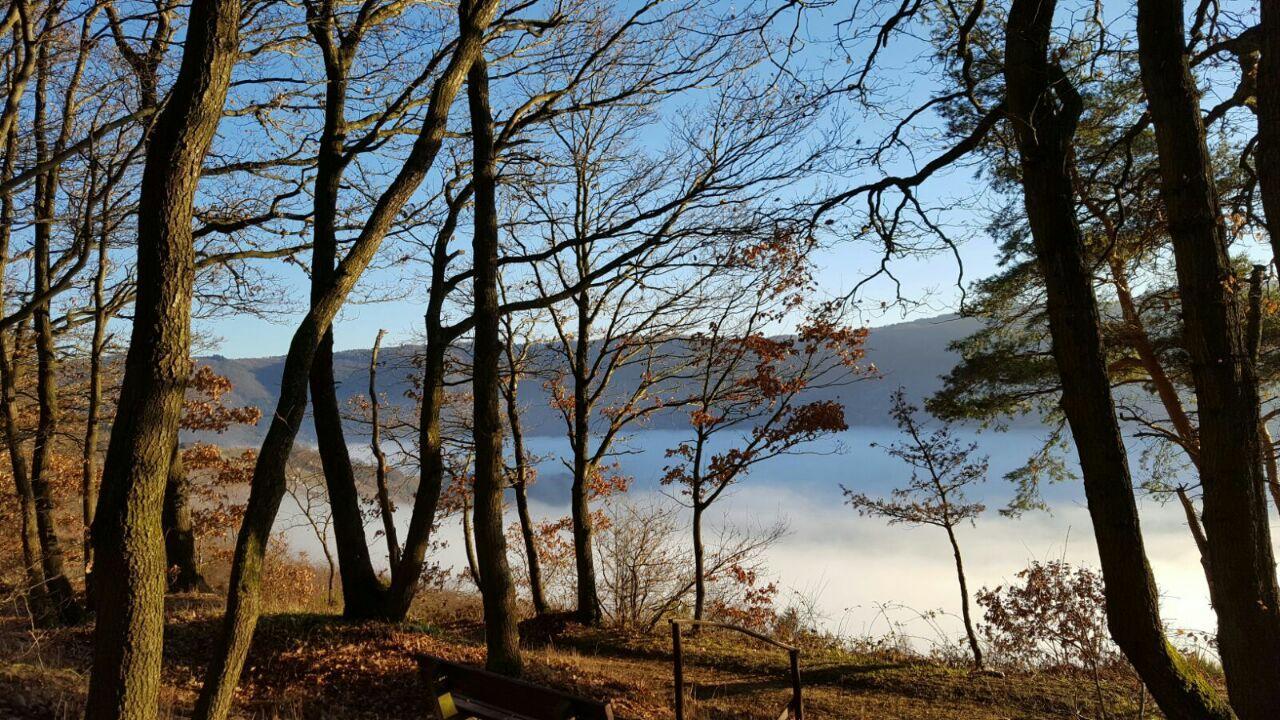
(310, 665)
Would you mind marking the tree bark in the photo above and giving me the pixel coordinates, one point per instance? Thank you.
(244, 599)
(380, 457)
(521, 487)
(22, 483)
(969, 632)
(128, 545)
(498, 591)
(699, 563)
(57, 587)
(469, 545)
(1043, 109)
(1245, 592)
(404, 579)
(362, 592)
(588, 610)
(520, 482)
(30, 538)
(182, 567)
(93, 419)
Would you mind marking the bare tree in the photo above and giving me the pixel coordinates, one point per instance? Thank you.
(269, 475)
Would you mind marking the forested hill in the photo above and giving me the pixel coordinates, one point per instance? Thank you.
(912, 354)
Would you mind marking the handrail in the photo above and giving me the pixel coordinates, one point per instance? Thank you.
(796, 706)
(745, 631)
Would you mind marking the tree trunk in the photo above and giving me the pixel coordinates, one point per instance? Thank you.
(28, 534)
(380, 457)
(362, 592)
(93, 420)
(520, 484)
(1197, 533)
(405, 576)
(244, 599)
(183, 570)
(1043, 109)
(128, 544)
(699, 563)
(964, 601)
(469, 545)
(1269, 456)
(22, 482)
(498, 591)
(588, 610)
(57, 588)
(1245, 592)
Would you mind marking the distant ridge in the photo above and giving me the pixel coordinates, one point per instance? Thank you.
(912, 354)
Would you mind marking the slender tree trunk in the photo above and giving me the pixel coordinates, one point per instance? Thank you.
(28, 534)
(699, 563)
(469, 544)
(183, 569)
(128, 544)
(520, 484)
(1138, 338)
(1269, 457)
(588, 610)
(244, 599)
(380, 457)
(1142, 345)
(22, 481)
(93, 421)
(362, 592)
(405, 576)
(501, 636)
(1245, 592)
(964, 600)
(1192, 516)
(58, 591)
(1043, 109)
(530, 548)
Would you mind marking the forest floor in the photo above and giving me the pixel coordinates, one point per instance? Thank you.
(306, 665)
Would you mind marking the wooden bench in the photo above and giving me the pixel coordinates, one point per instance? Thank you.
(460, 692)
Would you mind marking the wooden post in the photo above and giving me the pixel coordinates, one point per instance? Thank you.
(679, 669)
(797, 702)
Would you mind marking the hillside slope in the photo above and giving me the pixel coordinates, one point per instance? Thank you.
(315, 666)
(912, 354)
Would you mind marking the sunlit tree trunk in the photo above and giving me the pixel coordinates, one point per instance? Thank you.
(128, 544)
(497, 588)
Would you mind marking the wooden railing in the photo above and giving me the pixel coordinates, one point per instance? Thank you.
(794, 708)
